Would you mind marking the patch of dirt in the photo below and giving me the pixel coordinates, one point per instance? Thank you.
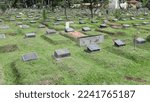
(76, 34)
(11, 34)
(135, 79)
(8, 48)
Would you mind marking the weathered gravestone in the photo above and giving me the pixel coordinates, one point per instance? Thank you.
(119, 43)
(50, 31)
(86, 29)
(24, 26)
(103, 26)
(2, 36)
(93, 48)
(30, 35)
(88, 40)
(125, 26)
(140, 40)
(61, 53)
(41, 26)
(69, 30)
(30, 56)
(4, 27)
(67, 25)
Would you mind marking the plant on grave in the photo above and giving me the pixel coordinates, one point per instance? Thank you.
(117, 14)
(148, 38)
(44, 15)
(3, 7)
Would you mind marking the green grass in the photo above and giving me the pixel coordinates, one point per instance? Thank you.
(109, 66)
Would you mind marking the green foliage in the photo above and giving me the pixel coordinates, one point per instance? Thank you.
(117, 14)
(148, 38)
(44, 15)
(3, 7)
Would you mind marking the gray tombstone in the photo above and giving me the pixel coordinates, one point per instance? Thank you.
(61, 53)
(119, 43)
(69, 30)
(136, 24)
(41, 26)
(4, 27)
(19, 23)
(86, 29)
(141, 18)
(132, 18)
(24, 26)
(145, 23)
(30, 35)
(103, 26)
(93, 48)
(115, 20)
(1, 20)
(50, 31)
(32, 21)
(125, 26)
(140, 40)
(81, 22)
(30, 56)
(2, 36)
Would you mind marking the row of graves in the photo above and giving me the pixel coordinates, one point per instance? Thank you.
(90, 42)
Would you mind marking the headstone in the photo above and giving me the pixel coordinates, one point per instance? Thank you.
(94, 21)
(136, 24)
(32, 21)
(140, 40)
(18, 16)
(115, 20)
(81, 22)
(145, 23)
(105, 21)
(145, 14)
(93, 48)
(30, 56)
(126, 26)
(2, 36)
(1, 20)
(103, 26)
(119, 43)
(132, 18)
(4, 27)
(59, 19)
(56, 23)
(42, 26)
(19, 23)
(86, 29)
(50, 31)
(30, 35)
(24, 26)
(67, 25)
(61, 53)
(69, 30)
(141, 18)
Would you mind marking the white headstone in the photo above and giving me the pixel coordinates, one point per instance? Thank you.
(67, 25)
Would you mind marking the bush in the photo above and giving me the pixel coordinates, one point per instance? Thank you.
(148, 38)
(3, 7)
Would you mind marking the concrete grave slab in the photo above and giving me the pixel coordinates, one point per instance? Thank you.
(30, 35)
(140, 40)
(2, 36)
(69, 30)
(86, 29)
(119, 43)
(61, 53)
(30, 56)
(50, 31)
(88, 40)
(93, 48)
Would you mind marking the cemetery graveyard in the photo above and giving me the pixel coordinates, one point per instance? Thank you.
(55, 52)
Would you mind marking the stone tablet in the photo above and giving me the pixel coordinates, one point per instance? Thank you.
(4, 27)
(141, 18)
(119, 43)
(42, 26)
(61, 53)
(125, 26)
(132, 18)
(1, 20)
(145, 23)
(115, 20)
(32, 21)
(30, 35)
(2, 36)
(69, 30)
(24, 26)
(86, 29)
(103, 26)
(140, 40)
(50, 31)
(19, 23)
(30, 56)
(93, 48)
(81, 22)
(59, 19)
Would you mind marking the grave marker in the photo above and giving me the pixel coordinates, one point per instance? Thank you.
(30, 56)
(2, 36)
(119, 43)
(93, 48)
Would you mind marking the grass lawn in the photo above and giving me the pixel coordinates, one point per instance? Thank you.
(111, 65)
